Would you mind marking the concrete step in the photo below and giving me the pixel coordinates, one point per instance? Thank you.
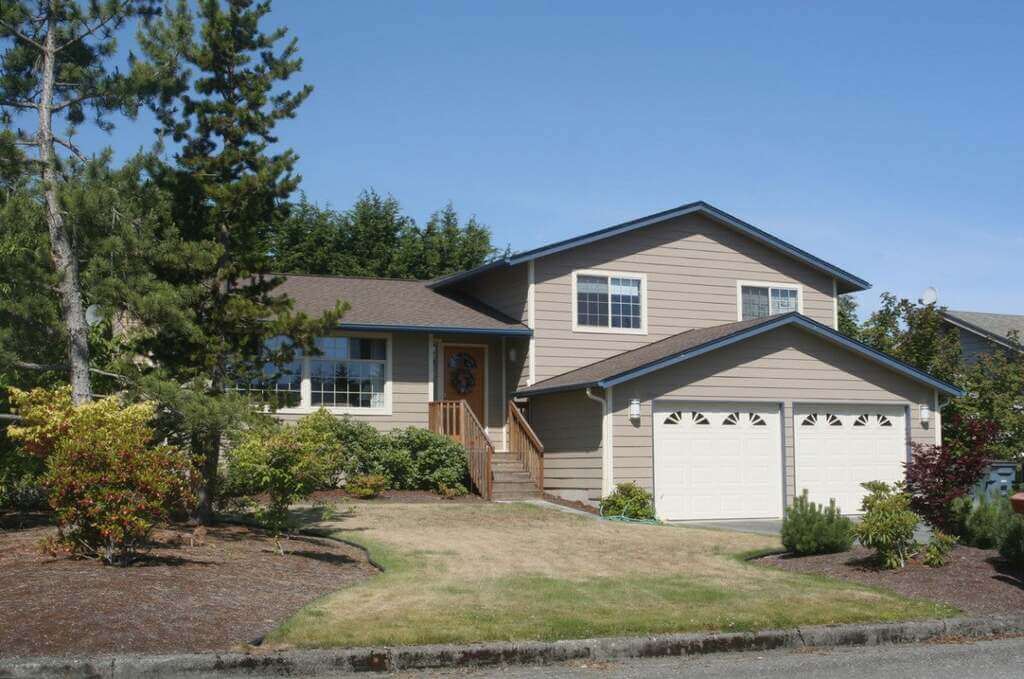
(519, 476)
(516, 495)
(514, 486)
(506, 467)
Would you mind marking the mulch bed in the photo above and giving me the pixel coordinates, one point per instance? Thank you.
(977, 581)
(223, 593)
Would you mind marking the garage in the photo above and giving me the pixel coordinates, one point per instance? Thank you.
(838, 447)
(717, 460)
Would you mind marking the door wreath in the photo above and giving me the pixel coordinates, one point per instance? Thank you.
(461, 367)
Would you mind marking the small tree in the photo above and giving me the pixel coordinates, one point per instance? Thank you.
(105, 480)
(994, 392)
(938, 475)
(888, 524)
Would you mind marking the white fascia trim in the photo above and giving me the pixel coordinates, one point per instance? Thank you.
(531, 323)
(768, 284)
(642, 330)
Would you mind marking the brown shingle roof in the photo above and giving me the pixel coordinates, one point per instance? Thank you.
(590, 375)
(392, 303)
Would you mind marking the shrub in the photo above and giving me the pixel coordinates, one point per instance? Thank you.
(939, 548)
(888, 524)
(105, 480)
(959, 512)
(1012, 546)
(989, 523)
(367, 485)
(277, 461)
(21, 485)
(628, 500)
(438, 463)
(810, 528)
(937, 476)
(318, 434)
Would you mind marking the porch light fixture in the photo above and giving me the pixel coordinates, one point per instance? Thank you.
(634, 409)
(512, 355)
(926, 413)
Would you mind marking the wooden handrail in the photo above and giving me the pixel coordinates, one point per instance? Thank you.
(525, 445)
(457, 420)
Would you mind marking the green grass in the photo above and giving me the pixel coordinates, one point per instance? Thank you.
(456, 573)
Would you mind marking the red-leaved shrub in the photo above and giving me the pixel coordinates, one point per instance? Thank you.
(938, 475)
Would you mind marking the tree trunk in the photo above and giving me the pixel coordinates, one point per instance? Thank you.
(207, 447)
(61, 249)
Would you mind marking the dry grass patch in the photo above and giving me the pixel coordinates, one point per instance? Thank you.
(498, 571)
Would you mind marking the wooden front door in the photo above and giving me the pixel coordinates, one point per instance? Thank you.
(464, 376)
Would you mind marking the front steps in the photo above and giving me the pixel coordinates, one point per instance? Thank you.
(510, 480)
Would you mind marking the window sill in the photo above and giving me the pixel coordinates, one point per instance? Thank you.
(608, 331)
(333, 411)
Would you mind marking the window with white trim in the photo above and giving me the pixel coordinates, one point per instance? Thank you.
(350, 373)
(762, 301)
(609, 301)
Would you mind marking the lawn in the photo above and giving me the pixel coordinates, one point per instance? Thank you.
(456, 572)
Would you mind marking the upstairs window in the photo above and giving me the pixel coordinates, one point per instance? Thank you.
(764, 300)
(609, 302)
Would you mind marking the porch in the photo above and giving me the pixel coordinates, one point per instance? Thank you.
(514, 473)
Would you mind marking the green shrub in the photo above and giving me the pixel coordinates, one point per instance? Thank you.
(628, 500)
(960, 511)
(1012, 546)
(318, 434)
(367, 485)
(810, 528)
(438, 463)
(939, 548)
(21, 485)
(280, 462)
(989, 522)
(888, 524)
(106, 481)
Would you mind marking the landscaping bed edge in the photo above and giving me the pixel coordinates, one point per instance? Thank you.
(381, 659)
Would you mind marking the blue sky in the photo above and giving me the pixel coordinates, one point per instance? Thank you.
(885, 138)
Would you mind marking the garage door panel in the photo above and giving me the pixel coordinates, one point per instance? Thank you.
(839, 447)
(715, 461)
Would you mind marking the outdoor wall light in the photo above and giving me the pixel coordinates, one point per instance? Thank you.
(634, 409)
(926, 413)
(512, 355)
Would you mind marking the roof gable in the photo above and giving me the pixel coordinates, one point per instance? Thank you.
(995, 328)
(688, 345)
(847, 282)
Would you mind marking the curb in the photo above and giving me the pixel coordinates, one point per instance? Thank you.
(385, 659)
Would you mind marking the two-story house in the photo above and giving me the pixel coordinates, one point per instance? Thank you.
(687, 351)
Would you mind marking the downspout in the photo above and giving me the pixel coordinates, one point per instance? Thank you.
(607, 442)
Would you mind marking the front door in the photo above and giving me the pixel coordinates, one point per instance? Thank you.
(464, 375)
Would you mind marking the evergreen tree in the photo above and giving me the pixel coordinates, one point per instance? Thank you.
(229, 189)
(55, 66)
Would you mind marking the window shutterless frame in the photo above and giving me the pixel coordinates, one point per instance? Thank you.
(305, 405)
(609, 275)
(768, 286)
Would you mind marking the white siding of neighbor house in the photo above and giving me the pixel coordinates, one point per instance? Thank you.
(692, 265)
(784, 366)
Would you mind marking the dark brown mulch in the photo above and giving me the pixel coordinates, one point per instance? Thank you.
(228, 591)
(977, 581)
(572, 504)
(408, 496)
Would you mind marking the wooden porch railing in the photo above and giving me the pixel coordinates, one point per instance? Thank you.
(524, 444)
(456, 419)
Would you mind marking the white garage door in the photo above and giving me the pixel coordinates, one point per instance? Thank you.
(717, 460)
(840, 447)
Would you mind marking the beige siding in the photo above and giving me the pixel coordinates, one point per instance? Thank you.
(569, 426)
(785, 366)
(692, 265)
(503, 289)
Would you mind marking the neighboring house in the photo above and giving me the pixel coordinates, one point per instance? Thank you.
(982, 333)
(687, 351)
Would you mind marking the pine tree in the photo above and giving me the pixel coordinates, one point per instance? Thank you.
(55, 66)
(229, 191)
